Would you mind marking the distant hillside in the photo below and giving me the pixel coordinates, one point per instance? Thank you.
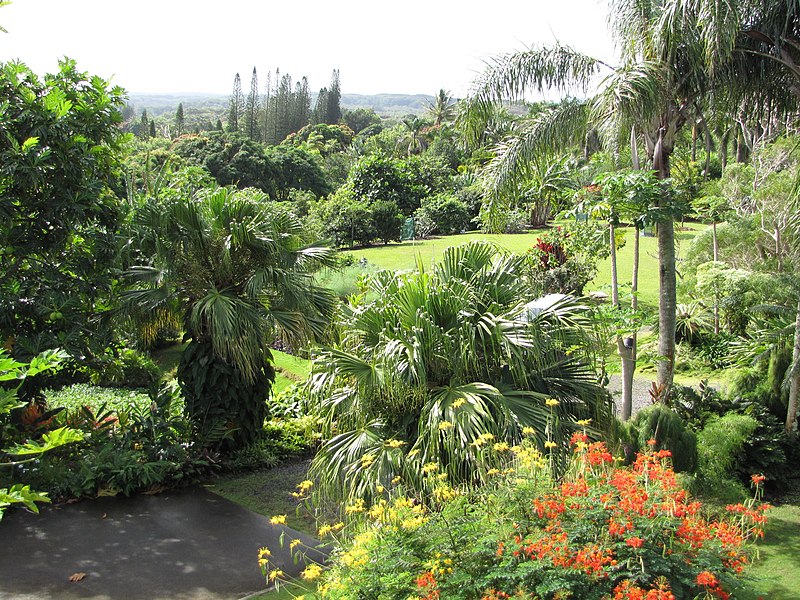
(389, 105)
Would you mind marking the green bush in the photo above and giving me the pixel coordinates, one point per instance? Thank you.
(719, 450)
(448, 214)
(128, 369)
(661, 424)
(74, 397)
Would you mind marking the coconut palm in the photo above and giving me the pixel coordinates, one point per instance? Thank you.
(437, 363)
(413, 140)
(660, 84)
(442, 109)
(235, 274)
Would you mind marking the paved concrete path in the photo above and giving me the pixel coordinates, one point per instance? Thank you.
(181, 545)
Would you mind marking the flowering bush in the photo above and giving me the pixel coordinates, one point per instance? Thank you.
(603, 532)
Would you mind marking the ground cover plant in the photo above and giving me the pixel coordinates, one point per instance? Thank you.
(602, 531)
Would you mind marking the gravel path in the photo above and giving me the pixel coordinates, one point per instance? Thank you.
(641, 396)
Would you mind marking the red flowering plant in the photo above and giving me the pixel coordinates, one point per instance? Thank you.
(602, 532)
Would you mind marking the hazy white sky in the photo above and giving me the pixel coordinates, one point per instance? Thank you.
(406, 46)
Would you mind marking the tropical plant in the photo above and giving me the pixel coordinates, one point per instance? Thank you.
(236, 275)
(435, 365)
(442, 108)
(601, 532)
(12, 376)
(659, 85)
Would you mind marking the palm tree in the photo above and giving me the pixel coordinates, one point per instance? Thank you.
(235, 274)
(414, 140)
(658, 86)
(438, 362)
(442, 109)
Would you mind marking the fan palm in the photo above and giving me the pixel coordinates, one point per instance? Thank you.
(235, 274)
(438, 363)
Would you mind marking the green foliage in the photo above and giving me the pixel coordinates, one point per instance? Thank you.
(226, 410)
(564, 259)
(128, 368)
(436, 361)
(447, 214)
(75, 397)
(134, 448)
(663, 425)
(387, 220)
(719, 448)
(16, 449)
(59, 158)
(234, 159)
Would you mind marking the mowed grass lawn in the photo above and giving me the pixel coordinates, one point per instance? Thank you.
(406, 255)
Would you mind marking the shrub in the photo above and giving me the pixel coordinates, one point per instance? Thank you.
(129, 368)
(448, 214)
(603, 532)
(77, 396)
(719, 448)
(386, 220)
(661, 424)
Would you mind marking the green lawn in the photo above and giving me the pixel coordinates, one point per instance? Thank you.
(775, 573)
(405, 255)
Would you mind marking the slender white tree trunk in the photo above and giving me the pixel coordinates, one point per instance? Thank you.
(794, 378)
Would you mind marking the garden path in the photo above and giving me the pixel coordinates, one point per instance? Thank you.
(641, 395)
(180, 545)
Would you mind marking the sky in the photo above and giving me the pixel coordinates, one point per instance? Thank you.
(401, 47)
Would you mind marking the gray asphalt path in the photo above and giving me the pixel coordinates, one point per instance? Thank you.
(181, 545)
(641, 395)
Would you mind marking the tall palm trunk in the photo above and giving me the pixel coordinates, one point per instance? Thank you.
(794, 378)
(667, 289)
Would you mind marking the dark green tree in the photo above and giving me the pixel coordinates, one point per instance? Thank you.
(180, 120)
(333, 111)
(251, 110)
(144, 126)
(360, 118)
(59, 161)
(320, 114)
(236, 106)
(152, 129)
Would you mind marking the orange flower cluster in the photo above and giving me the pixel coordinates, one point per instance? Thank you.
(709, 581)
(627, 590)
(428, 586)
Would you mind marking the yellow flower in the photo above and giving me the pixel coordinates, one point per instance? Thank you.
(584, 422)
(337, 527)
(275, 574)
(459, 402)
(278, 520)
(357, 507)
(445, 425)
(549, 444)
(392, 443)
(311, 572)
(324, 530)
(430, 467)
(491, 472)
(367, 460)
(552, 402)
(413, 453)
(379, 488)
(487, 437)
(501, 447)
(294, 544)
(478, 442)
(528, 431)
(396, 480)
(442, 477)
(264, 552)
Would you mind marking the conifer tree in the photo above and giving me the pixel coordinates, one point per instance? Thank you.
(179, 120)
(265, 119)
(334, 109)
(236, 109)
(152, 129)
(144, 126)
(252, 109)
(321, 107)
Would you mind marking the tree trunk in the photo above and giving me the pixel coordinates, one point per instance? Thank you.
(794, 378)
(716, 259)
(666, 303)
(614, 279)
(627, 349)
(723, 150)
